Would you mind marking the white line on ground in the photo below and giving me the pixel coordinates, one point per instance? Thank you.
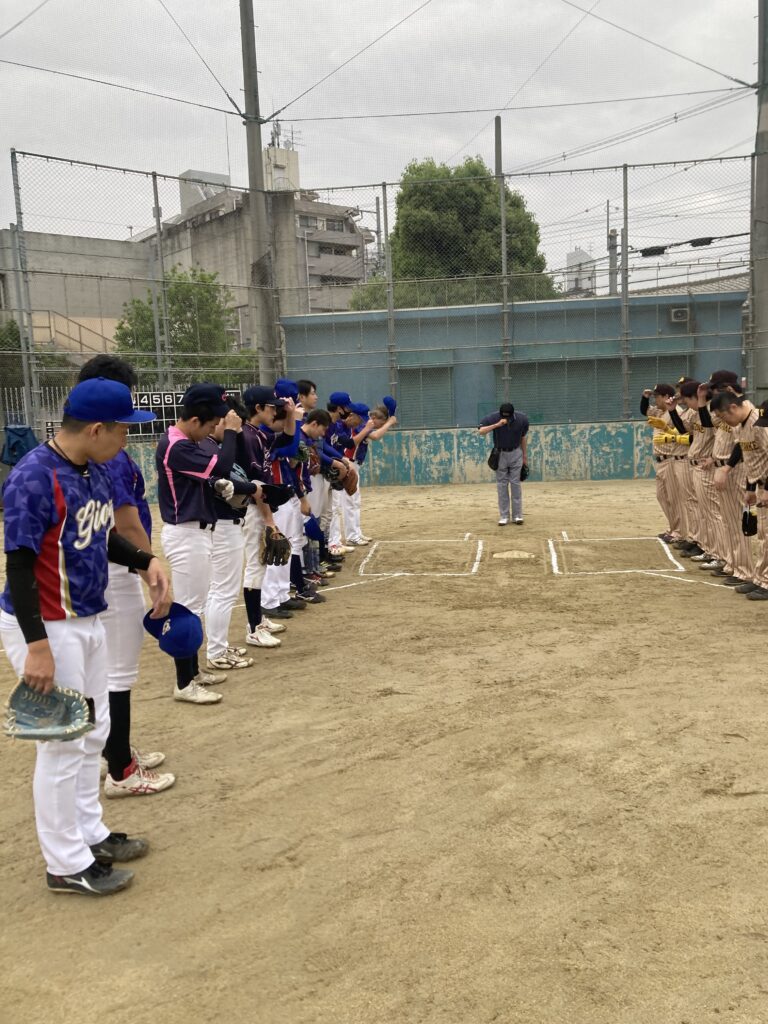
(566, 538)
(478, 556)
(670, 556)
(430, 540)
(367, 559)
(467, 535)
(553, 557)
(619, 572)
(679, 579)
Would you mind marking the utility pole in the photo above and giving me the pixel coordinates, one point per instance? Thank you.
(499, 170)
(626, 400)
(261, 311)
(613, 261)
(759, 340)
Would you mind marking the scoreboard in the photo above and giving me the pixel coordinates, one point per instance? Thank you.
(166, 405)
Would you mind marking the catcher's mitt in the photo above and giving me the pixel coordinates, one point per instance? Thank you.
(275, 548)
(62, 714)
(524, 471)
(333, 476)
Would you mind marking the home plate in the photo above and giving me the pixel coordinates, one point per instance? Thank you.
(514, 554)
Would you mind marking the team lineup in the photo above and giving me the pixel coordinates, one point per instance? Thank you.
(710, 450)
(259, 498)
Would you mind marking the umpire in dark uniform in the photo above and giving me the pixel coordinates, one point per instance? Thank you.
(510, 440)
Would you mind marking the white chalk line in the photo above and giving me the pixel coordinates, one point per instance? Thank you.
(678, 579)
(670, 556)
(384, 575)
(553, 558)
(566, 538)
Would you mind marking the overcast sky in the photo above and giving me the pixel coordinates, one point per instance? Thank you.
(452, 54)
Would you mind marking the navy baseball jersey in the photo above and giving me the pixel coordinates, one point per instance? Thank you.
(182, 470)
(255, 459)
(64, 514)
(128, 487)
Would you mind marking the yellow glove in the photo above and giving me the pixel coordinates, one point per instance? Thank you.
(665, 438)
(658, 423)
(682, 438)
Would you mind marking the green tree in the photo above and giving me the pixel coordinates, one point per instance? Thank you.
(446, 241)
(201, 322)
(53, 368)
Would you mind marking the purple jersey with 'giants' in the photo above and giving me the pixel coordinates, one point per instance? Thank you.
(128, 487)
(65, 516)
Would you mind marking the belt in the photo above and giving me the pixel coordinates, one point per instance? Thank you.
(509, 449)
(206, 526)
(664, 458)
(721, 462)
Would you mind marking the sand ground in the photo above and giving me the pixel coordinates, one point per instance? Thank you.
(502, 796)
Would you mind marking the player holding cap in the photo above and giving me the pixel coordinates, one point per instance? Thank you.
(189, 516)
(59, 537)
(128, 771)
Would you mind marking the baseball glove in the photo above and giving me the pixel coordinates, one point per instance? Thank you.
(524, 471)
(333, 476)
(275, 548)
(658, 423)
(62, 714)
(350, 483)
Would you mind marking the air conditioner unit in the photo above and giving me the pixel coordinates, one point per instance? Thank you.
(679, 315)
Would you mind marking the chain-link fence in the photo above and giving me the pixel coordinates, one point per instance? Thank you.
(567, 291)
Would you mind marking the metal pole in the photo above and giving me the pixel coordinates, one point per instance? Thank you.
(152, 262)
(748, 309)
(25, 305)
(391, 347)
(26, 377)
(613, 263)
(378, 235)
(261, 284)
(759, 383)
(166, 374)
(626, 398)
(505, 377)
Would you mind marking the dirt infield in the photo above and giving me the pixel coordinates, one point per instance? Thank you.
(506, 795)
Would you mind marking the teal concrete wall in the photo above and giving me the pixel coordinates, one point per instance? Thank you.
(565, 451)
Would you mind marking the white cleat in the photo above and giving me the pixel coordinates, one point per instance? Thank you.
(196, 694)
(209, 678)
(227, 660)
(261, 637)
(503, 521)
(270, 626)
(140, 782)
(150, 761)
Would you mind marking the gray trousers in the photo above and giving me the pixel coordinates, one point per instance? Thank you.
(508, 476)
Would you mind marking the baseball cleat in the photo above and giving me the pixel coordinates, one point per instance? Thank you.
(294, 604)
(271, 627)
(361, 542)
(97, 880)
(758, 594)
(732, 581)
(138, 781)
(703, 557)
(237, 650)
(691, 552)
(194, 693)
(277, 613)
(312, 598)
(228, 660)
(503, 521)
(209, 678)
(746, 587)
(118, 846)
(711, 565)
(150, 760)
(261, 637)
(518, 521)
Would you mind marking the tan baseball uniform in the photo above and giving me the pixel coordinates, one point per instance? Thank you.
(683, 476)
(731, 544)
(703, 478)
(754, 446)
(665, 454)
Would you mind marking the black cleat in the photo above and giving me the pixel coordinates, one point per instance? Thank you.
(117, 846)
(732, 581)
(758, 594)
(310, 597)
(277, 613)
(293, 604)
(97, 880)
(746, 588)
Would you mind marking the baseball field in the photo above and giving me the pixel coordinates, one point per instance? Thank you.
(513, 775)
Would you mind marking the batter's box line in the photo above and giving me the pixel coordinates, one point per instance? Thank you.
(556, 570)
(384, 575)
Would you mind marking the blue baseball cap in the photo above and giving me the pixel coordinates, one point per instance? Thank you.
(180, 633)
(210, 394)
(340, 398)
(359, 409)
(287, 389)
(99, 400)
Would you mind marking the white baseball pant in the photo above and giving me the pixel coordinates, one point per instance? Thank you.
(226, 580)
(68, 813)
(124, 627)
(335, 520)
(188, 550)
(253, 529)
(276, 587)
(350, 505)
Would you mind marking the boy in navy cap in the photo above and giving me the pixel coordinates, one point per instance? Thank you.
(188, 511)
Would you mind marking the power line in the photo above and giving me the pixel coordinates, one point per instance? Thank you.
(25, 18)
(117, 85)
(659, 46)
(348, 60)
(202, 58)
(637, 132)
(530, 106)
(533, 74)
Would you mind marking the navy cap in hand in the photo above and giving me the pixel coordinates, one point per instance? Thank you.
(213, 395)
(287, 389)
(99, 400)
(180, 633)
